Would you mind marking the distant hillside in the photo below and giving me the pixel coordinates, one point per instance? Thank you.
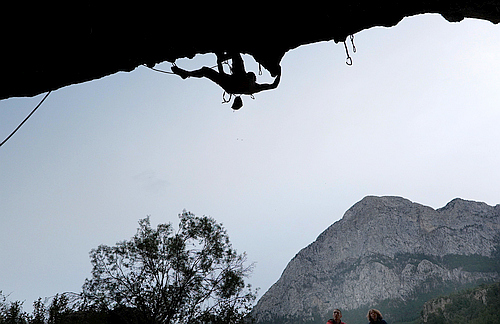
(390, 253)
(474, 306)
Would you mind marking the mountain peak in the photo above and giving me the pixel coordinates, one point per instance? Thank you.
(384, 248)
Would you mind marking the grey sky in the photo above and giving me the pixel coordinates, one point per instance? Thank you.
(416, 115)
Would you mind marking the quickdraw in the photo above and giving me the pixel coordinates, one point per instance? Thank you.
(224, 100)
(348, 60)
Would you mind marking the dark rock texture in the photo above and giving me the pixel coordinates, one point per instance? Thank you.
(48, 46)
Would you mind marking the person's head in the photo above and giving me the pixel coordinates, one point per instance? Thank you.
(374, 315)
(337, 314)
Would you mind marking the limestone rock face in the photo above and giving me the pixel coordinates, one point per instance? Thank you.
(438, 305)
(385, 247)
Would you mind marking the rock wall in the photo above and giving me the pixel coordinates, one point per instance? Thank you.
(438, 305)
(386, 248)
(46, 46)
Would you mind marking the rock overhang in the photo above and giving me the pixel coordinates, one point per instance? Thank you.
(47, 47)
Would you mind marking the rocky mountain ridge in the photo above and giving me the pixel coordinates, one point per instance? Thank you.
(386, 248)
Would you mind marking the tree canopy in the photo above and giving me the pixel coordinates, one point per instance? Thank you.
(164, 276)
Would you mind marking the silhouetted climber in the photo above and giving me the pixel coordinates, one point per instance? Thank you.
(237, 83)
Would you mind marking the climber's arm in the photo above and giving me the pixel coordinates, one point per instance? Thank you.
(268, 86)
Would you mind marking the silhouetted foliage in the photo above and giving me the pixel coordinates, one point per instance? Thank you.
(11, 312)
(60, 310)
(38, 315)
(161, 276)
(15, 313)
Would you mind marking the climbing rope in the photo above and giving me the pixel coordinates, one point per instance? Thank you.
(158, 70)
(17, 128)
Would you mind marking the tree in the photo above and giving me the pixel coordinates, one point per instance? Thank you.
(38, 315)
(161, 276)
(60, 309)
(11, 312)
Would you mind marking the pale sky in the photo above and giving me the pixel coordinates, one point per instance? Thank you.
(416, 116)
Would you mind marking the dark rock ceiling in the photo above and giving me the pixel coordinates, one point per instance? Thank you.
(45, 47)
